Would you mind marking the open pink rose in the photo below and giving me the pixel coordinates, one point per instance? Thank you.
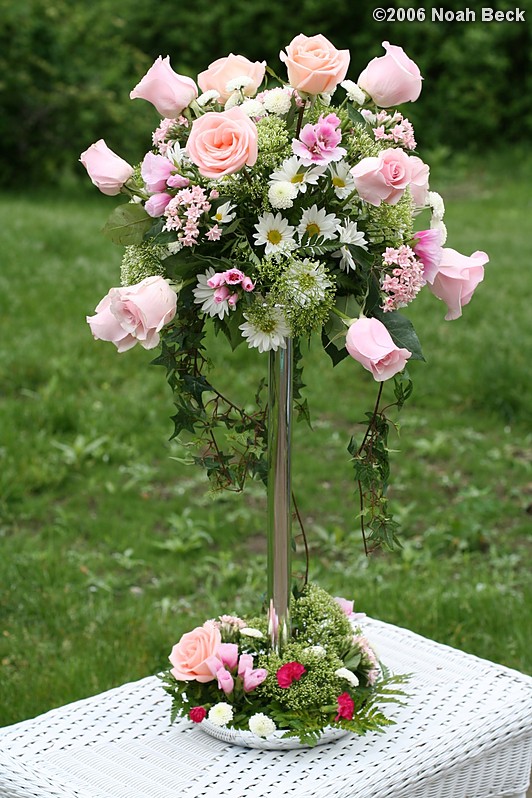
(314, 65)
(419, 181)
(383, 178)
(222, 143)
(134, 313)
(391, 79)
(369, 342)
(189, 656)
(456, 279)
(106, 169)
(223, 70)
(169, 92)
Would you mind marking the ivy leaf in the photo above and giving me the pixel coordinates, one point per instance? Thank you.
(402, 331)
(127, 224)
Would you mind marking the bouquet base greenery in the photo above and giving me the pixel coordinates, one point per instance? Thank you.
(227, 675)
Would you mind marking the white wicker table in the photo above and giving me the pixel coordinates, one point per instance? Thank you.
(466, 732)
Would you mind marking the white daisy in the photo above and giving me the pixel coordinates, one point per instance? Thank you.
(205, 296)
(275, 233)
(224, 213)
(293, 171)
(207, 97)
(347, 262)
(271, 334)
(341, 179)
(221, 714)
(349, 676)
(354, 92)
(307, 281)
(436, 203)
(348, 233)
(317, 222)
(261, 725)
(277, 101)
(282, 194)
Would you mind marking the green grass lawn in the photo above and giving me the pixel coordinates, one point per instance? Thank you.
(110, 549)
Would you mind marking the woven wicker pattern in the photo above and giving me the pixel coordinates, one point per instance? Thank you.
(466, 732)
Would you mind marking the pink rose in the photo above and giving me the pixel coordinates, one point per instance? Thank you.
(155, 171)
(222, 143)
(169, 92)
(189, 655)
(228, 653)
(107, 170)
(419, 181)
(456, 279)
(391, 79)
(223, 70)
(134, 313)
(383, 178)
(252, 678)
(156, 205)
(225, 680)
(429, 251)
(245, 663)
(314, 65)
(369, 342)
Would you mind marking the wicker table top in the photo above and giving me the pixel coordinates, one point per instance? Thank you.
(466, 732)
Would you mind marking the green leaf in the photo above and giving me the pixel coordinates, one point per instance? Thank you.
(127, 224)
(402, 331)
(355, 116)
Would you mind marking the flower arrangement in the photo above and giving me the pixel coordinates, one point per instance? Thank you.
(274, 214)
(328, 676)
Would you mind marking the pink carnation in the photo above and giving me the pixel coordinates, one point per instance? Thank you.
(319, 143)
(288, 673)
(346, 707)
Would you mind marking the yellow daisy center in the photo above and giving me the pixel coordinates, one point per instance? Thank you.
(338, 182)
(297, 178)
(274, 236)
(313, 229)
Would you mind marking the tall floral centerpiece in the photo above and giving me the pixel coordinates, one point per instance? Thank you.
(278, 211)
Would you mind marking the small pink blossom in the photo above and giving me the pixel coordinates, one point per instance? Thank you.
(248, 284)
(214, 234)
(233, 276)
(232, 300)
(318, 144)
(222, 293)
(405, 282)
(345, 605)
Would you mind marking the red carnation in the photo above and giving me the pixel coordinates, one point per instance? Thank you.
(292, 671)
(197, 714)
(346, 707)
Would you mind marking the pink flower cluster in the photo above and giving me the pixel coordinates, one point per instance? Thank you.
(226, 661)
(318, 144)
(166, 132)
(406, 280)
(225, 283)
(369, 658)
(184, 211)
(392, 127)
